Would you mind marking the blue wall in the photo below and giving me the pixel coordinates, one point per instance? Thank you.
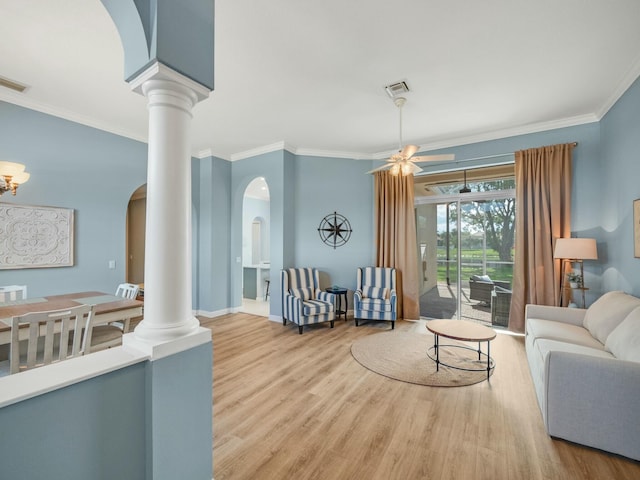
(78, 167)
(94, 429)
(617, 187)
(148, 420)
(324, 186)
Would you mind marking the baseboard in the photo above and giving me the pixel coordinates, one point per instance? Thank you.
(217, 313)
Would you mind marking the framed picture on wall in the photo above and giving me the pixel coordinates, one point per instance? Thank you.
(35, 237)
(636, 228)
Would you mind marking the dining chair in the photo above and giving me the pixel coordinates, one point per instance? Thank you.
(12, 293)
(54, 336)
(127, 290)
(110, 335)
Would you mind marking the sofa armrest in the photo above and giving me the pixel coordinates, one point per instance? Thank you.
(574, 316)
(592, 400)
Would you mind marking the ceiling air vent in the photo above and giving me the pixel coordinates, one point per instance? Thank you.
(5, 82)
(396, 89)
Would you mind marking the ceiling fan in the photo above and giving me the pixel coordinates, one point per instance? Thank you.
(404, 162)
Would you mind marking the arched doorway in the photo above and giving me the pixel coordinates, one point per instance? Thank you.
(256, 262)
(136, 224)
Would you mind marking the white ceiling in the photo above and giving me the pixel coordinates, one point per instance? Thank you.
(309, 74)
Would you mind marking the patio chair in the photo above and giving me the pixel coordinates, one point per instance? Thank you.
(481, 286)
(500, 306)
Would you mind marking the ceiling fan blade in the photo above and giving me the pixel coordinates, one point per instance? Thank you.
(408, 151)
(434, 158)
(383, 167)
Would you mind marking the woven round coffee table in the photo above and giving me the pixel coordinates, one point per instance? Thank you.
(464, 331)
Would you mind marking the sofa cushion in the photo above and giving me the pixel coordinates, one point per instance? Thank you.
(303, 293)
(624, 340)
(374, 292)
(562, 332)
(543, 346)
(607, 312)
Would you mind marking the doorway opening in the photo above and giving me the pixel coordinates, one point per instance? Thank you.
(256, 264)
(465, 224)
(136, 225)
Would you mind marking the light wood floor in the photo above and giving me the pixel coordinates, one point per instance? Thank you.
(289, 406)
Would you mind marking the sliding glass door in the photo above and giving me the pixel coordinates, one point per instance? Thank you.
(466, 250)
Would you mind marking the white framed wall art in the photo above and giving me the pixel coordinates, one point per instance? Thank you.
(35, 237)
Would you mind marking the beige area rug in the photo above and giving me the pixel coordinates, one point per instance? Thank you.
(402, 355)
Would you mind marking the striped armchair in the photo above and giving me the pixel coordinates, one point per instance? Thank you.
(375, 295)
(303, 302)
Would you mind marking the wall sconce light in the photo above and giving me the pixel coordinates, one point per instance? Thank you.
(11, 175)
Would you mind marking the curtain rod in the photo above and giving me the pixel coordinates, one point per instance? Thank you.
(498, 155)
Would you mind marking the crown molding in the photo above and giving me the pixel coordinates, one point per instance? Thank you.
(507, 132)
(310, 152)
(31, 104)
(631, 76)
(272, 147)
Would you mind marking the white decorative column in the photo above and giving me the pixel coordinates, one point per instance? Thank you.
(168, 263)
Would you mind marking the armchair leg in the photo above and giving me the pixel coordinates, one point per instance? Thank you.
(356, 321)
(393, 325)
(331, 323)
(300, 329)
(284, 321)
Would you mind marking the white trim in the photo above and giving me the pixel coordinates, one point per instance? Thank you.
(310, 152)
(32, 383)
(425, 147)
(254, 152)
(511, 132)
(159, 71)
(157, 349)
(623, 86)
(213, 314)
(23, 101)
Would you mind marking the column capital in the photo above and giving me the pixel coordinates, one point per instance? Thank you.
(160, 72)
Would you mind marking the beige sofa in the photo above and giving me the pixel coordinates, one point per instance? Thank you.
(585, 367)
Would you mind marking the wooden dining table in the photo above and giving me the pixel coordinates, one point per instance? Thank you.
(108, 308)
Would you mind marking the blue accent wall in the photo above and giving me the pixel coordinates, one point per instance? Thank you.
(78, 167)
(324, 186)
(617, 186)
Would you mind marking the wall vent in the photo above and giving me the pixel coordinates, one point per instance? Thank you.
(18, 87)
(398, 88)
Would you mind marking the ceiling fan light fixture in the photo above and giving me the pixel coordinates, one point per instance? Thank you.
(395, 169)
(406, 168)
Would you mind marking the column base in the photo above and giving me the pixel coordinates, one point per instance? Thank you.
(159, 348)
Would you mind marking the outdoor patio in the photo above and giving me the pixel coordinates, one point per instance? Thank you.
(440, 302)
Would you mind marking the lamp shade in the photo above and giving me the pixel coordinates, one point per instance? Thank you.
(576, 248)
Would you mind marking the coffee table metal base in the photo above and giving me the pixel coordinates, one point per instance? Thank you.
(436, 347)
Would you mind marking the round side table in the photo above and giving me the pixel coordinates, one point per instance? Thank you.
(340, 293)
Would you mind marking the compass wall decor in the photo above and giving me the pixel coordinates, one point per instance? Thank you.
(335, 230)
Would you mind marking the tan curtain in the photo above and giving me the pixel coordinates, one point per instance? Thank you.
(396, 237)
(543, 213)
